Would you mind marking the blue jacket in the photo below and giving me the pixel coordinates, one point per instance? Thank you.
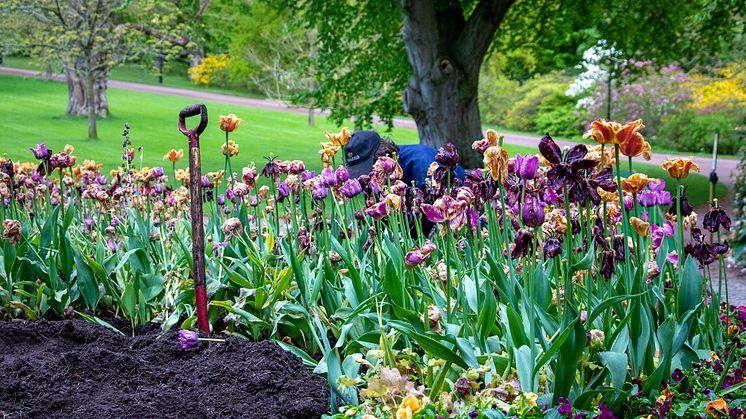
(415, 159)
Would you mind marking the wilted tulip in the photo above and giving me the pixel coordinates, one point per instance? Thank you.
(341, 138)
(188, 339)
(640, 226)
(447, 156)
(496, 161)
(41, 152)
(320, 192)
(231, 227)
(231, 148)
(12, 231)
(552, 247)
(714, 219)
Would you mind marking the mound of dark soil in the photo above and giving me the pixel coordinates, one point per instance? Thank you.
(75, 369)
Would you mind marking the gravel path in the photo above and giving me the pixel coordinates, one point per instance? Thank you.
(725, 167)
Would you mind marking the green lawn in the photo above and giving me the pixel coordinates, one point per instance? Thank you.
(33, 111)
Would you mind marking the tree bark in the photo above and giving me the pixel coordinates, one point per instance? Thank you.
(91, 106)
(77, 96)
(445, 52)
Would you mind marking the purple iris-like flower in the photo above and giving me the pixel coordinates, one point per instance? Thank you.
(101, 180)
(568, 168)
(217, 246)
(526, 166)
(328, 178)
(112, 245)
(377, 211)
(158, 188)
(532, 213)
(157, 172)
(351, 188)
(220, 200)
(41, 152)
(272, 169)
(320, 192)
(188, 339)
(205, 181)
(341, 174)
(283, 190)
(647, 199)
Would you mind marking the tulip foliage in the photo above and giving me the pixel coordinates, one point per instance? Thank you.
(557, 273)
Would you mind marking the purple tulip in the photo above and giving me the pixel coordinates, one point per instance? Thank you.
(447, 156)
(205, 181)
(283, 190)
(523, 241)
(351, 188)
(157, 172)
(532, 213)
(377, 211)
(41, 152)
(188, 339)
(327, 177)
(414, 258)
(320, 192)
(59, 161)
(552, 247)
(307, 175)
(526, 166)
(220, 200)
(433, 214)
(647, 199)
(341, 174)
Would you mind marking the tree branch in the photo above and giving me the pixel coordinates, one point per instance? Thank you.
(182, 42)
(474, 41)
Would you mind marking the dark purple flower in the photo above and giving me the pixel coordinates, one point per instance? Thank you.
(686, 208)
(532, 213)
(526, 166)
(523, 243)
(41, 152)
(552, 247)
(272, 169)
(605, 412)
(220, 200)
(714, 219)
(205, 181)
(699, 249)
(447, 156)
(565, 408)
(188, 339)
(59, 161)
(677, 375)
(351, 188)
(607, 264)
(568, 168)
(721, 248)
(157, 172)
(414, 257)
(462, 386)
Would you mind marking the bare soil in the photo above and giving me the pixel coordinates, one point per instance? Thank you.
(71, 368)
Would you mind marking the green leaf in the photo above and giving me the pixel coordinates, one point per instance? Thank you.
(690, 291)
(555, 346)
(616, 363)
(430, 342)
(86, 281)
(96, 320)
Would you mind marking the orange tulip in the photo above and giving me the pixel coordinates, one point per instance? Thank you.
(604, 132)
(232, 148)
(229, 123)
(636, 146)
(679, 167)
(341, 138)
(641, 227)
(496, 161)
(635, 183)
(174, 156)
(717, 408)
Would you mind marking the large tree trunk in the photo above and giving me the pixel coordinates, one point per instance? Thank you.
(91, 106)
(446, 51)
(77, 96)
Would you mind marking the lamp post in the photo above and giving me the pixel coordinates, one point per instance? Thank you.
(159, 60)
(713, 173)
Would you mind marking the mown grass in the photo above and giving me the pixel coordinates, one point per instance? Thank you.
(33, 111)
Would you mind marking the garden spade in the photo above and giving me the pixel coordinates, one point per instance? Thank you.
(195, 192)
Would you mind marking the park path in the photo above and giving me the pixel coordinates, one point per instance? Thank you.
(726, 168)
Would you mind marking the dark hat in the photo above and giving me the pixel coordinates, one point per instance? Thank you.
(360, 153)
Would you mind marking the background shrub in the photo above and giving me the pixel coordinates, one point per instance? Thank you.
(691, 132)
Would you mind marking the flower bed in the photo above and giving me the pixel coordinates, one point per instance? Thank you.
(538, 285)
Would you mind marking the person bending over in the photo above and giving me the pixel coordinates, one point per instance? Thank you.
(366, 147)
